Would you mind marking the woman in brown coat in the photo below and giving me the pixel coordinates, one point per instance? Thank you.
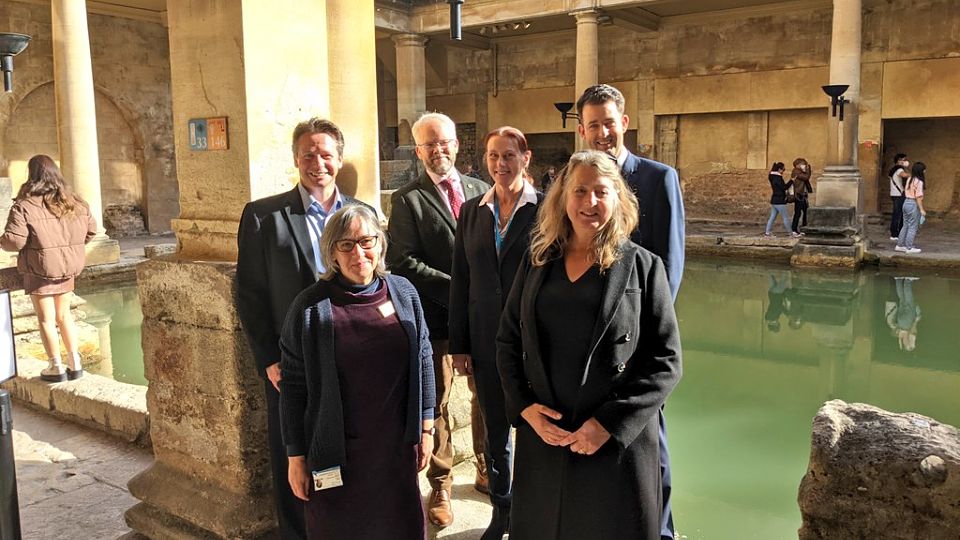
(49, 226)
(802, 188)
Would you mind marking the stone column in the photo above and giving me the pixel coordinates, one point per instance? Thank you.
(351, 42)
(840, 184)
(411, 87)
(833, 237)
(587, 48)
(77, 117)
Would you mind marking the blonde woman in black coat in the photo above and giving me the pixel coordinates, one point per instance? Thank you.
(588, 350)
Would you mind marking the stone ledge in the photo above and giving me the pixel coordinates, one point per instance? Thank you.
(116, 408)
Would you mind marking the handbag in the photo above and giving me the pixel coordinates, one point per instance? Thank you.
(790, 196)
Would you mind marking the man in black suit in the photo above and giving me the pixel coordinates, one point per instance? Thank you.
(423, 219)
(602, 125)
(279, 256)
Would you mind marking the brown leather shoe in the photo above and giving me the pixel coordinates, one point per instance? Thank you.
(482, 483)
(440, 513)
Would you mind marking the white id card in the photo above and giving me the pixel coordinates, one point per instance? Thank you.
(386, 309)
(327, 478)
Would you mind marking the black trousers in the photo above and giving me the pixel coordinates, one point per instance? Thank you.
(289, 507)
(800, 207)
(499, 448)
(896, 220)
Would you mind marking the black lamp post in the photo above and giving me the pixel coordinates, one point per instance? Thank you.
(564, 108)
(835, 91)
(10, 45)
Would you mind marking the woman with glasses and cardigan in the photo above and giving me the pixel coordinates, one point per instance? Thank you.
(357, 390)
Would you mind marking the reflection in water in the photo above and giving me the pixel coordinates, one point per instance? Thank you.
(763, 349)
(115, 315)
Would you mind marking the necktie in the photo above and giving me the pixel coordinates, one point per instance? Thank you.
(456, 200)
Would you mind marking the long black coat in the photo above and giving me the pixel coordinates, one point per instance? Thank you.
(633, 365)
(481, 278)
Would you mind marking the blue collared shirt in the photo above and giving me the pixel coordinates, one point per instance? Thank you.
(317, 220)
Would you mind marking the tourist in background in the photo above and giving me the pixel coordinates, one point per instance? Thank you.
(48, 225)
(548, 177)
(913, 212)
(588, 350)
(802, 188)
(357, 390)
(899, 174)
(778, 200)
(493, 234)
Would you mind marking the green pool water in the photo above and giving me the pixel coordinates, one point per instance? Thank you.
(763, 349)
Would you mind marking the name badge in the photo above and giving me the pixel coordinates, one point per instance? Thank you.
(386, 309)
(327, 478)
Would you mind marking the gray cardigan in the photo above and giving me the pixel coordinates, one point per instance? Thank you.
(311, 411)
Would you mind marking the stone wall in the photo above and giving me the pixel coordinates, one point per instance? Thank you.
(131, 69)
(769, 60)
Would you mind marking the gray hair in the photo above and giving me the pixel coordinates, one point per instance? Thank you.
(432, 117)
(337, 227)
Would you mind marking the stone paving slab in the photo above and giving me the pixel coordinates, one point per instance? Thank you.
(71, 480)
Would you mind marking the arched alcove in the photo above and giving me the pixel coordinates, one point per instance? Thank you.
(33, 130)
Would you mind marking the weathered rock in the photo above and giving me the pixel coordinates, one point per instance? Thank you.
(876, 474)
(155, 250)
(211, 477)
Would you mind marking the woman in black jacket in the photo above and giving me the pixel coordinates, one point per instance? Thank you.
(493, 234)
(778, 200)
(588, 351)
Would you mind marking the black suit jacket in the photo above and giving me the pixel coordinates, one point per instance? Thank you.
(274, 263)
(421, 244)
(481, 278)
(662, 228)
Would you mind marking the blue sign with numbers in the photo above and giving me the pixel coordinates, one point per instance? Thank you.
(198, 133)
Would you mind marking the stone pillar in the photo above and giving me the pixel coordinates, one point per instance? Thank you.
(587, 48)
(210, 478)
(834, 235)
(225, 61)
(353, 94)
(77, 117)
(411, 87)
(840, 183)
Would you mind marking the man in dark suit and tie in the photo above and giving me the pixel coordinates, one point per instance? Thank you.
(279, 256)
(657, 187)
(423, 219)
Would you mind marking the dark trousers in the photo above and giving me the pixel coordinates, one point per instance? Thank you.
(289, 507)
(666, 483)
(896, 220)
(800, 207)
(499, 448)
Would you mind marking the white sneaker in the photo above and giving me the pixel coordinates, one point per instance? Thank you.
(900, 248)
(895, 238)
(913, 250)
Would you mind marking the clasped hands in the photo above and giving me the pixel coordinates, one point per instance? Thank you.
(586, 440)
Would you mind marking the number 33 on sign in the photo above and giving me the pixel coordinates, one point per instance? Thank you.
(208, 134)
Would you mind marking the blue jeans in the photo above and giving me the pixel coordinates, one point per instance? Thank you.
(782, 210)
(911, 223)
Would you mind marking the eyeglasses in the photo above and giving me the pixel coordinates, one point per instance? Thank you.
(445, 143)
(365, 242)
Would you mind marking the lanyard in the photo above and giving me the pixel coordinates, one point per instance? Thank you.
(498, 236)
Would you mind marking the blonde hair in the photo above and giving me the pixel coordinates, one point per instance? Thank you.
(553, 230)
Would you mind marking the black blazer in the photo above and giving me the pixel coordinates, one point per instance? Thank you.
(662, 228)
(481, 279)
(633, 364)
(421, 232)
(274, 263)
